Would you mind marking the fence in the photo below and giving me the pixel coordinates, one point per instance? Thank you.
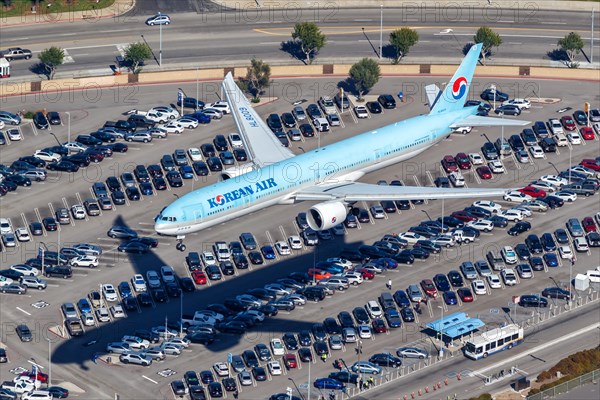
(565, 387)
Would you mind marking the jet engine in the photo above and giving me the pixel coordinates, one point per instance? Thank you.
(326, 215)
(236, 171)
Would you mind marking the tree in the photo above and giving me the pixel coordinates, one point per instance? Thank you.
(309, 37)
(572, 45)
(258, 77)
(489, 38)
(136, 54)
(50, 59)
(402, 40)
(365, 74)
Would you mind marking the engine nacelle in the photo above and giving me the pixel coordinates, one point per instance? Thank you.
(326, 215)
(236, 171)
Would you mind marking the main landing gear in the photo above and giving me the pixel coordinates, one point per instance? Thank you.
(180, 246)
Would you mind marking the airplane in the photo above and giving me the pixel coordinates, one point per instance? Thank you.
(330, 173)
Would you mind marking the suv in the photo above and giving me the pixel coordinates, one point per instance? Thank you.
(327, 105)
(141, 174)
(414, 293)
(222, 251)
(495, 260)
(468, 270)
(60, 271)
(575, 228)
(532, 301)
(342, 101)
(387, 101)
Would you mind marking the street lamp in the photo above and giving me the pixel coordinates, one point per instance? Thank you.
(358, 352)
(556, 169)
(426, 213)
(440, 331)
(381, 31)
(68, 126)
(57, 141)
(296, 386)
(43, 248)
(49, 362)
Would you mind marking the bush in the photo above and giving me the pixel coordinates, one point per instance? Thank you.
(485, 396)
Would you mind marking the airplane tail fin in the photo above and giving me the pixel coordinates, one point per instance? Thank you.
(454, 95)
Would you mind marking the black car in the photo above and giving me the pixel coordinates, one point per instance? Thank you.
(478, 211)
(345, 376)
(240, 154)
(79, 159)
(60, 150)
(320, 348)
(547, 241)
(200, 168)
(345, 319)
(552, 201)
(213, 272)
(187, 284)
(307, 130)
(40, 120)
(144, 299)
(159, 295)
(522, 251)
(516, 143)
(361, 316)
(214, 164)
(49, 224)
(196, 392)
(104, 137)
(374, 107)
(132, 193)
(63, 166)
(215, 389)
(263, 352)
(133, 247)
(220, 143)
(489, 151)
(498, 221)
(441, 283)
(118, 197)
(387, 101)
(385, 360)
(229, 384)
(290, 342)
(240, 261)
(20, 180)
(190, 102)
(36, 162)
(493, 94)
(331, 326)
(548, 145)
(318, 331)
(88, 140)
(60, 271)
(141, 121)
(250, 358)
(407, 314)
(528, 136)
(557, 293)
(313, 111)
(173, 289)
(455, 278)
(36, 228)
(536, 263)
(534, 244)
(255, 257)
(146, 189)
(288, 120)
(519, 227)
(540, 129)
(580, 117)
(174, 179)
(261, 294)
(532, 301)
(274, 122)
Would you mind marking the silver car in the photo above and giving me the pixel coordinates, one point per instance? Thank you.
(143, 137)
(412, 352)
(154, 353)
(335, 342)
(118, 348)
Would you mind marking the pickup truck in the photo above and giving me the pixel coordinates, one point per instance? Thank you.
(583, 190)
(16, 53)
(141, 121)
(461, 236)
(321, 124)
(122, 125)
(197, 318)
(74, 326)
(152, 115)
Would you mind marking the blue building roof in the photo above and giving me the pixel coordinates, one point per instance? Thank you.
(456, 325)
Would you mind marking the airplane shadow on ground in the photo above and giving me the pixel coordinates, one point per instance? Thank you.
(78, 350)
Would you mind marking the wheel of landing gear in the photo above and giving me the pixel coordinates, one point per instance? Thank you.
(180, 246)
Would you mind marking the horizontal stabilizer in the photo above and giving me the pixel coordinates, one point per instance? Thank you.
(478, 120)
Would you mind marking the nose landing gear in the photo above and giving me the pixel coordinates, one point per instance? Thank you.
(180, 245)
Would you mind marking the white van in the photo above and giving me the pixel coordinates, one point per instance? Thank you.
(594, 275)
(321, 124)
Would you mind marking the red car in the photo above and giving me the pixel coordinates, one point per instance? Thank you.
(568, 122)
(429, 288)
(199, 277)
(379, 326)
(484, 172)
(449, 164)
(588, 225)
(533, 191)
(42, 377)
(366, 274)
(591, 164)
(464, 216)
(290, 361)
(465, 295)
(463, 161)
(587, 133)
(318, 274)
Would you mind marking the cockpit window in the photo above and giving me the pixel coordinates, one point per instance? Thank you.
(169, 219)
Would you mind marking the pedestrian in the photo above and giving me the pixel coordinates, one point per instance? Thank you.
(365, 385)
(235, 394)
(324, 357)
(360, 383)
(389, 284)
(371, 381)
(331, 396)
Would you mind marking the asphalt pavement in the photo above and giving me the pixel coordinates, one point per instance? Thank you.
(71, 360)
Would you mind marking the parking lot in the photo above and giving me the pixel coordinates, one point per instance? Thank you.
(72, 358)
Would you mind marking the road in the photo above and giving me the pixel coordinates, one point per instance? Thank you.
(71, 361)
(218, 38)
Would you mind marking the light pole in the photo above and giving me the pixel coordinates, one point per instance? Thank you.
(197, 83)
(592, 39)
(308, 394)
(570, 165)
(43, 248)
(358, 352)
(160, 46)
(381, 31)
(426, 213)
(181, 315)
(440, 330)
(49, 362)
(556, 169)
(296, 386)
(68, 126)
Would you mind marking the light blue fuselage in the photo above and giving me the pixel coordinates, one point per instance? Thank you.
(347, 159)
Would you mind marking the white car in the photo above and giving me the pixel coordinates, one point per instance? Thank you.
(235, 140)
(22, 234)
(364, 331)
(527, 212)
(516, 196)
(84, 261)
(274, 367)
(277, 347)
(522, 156)
(580, 244)
(555, 126)
(187, 123)
(110, 294)
(488, 205)
(138, 283)
(496, 166)
(221, 368)
(509, 277)
(170, 112)
(164, 332)
(295, 242)
(181, 342)
(481, 225)
(118, 348)
(102, 314)
(580, 169)
(361, 112)
(410, 237)
(221, 105)
(173, 127)
(536, 151)
(525, 271)
(457, 179)
(23, 385)
(25, 269)
(574, 137)
(340, 261)
(523, 104)
(158, 132)
(509, 255)
(208, 258)
(565, 252)
(554, 180)
(37, 395)
(374, 309)
(5, 226)
(135, 342)
(354, 278)
(443, 240)
(511, 215)
(283, 248)
(14, 134)
(479, 286)
(171, 349)
(75, 147)
(561, 140)
(377, 212)
(9, 240)
(135, 358)
(153, 279)
(88, 319)
(536, 205)
(47, 156)
(158, 19)
(475, 158)
(213, 113)
(494, 281)
(78, 211)
(566, 195)
(117, 311)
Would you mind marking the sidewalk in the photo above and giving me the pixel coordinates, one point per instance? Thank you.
(119, 7)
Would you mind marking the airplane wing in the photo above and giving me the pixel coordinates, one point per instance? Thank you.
(478, 120)
(354, 191)
(262, 145)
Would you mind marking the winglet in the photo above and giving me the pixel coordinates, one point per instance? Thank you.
(455, 94)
